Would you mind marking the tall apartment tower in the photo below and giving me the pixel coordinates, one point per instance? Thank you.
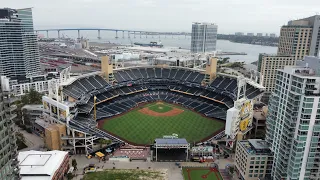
(203, 37)
(19, 52)
(293, 124)
(9, 169)
(267, 66)
(300, 37)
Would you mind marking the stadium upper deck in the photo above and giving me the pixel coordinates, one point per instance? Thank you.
(132, 86)
(101, 95)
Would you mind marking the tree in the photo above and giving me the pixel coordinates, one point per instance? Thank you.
(74, 164)
(224, 60)
(70, 176)
(104, 141)
(20, 136)
(32, 97)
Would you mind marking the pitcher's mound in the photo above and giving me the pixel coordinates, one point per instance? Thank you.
(173, 112)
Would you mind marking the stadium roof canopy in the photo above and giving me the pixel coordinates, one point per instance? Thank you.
(171, 143)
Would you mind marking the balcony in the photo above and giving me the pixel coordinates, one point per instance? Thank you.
(11, 116)
(11, 108)
(10, 100)
(14, 162)
(14, 154)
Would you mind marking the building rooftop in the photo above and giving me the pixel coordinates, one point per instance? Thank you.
(42, 122)
(259, 115)
(302, 72)
(175, 141)
(33, 107)
(256, 146)
(38, 165)
(203, 23)
(309, 61)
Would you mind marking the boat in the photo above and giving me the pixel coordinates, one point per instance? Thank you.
(151, 44)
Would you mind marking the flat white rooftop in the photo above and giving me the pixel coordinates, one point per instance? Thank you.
(33, 107)
(36, 165)
(149, 49)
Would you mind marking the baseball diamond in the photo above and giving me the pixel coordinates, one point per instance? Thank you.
(150, 121)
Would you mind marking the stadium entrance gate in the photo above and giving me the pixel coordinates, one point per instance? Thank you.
(173, 149)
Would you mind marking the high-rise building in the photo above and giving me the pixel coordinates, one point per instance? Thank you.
(300, 37)
(253, 159)
(293, 124)
(239, 34)
(9, 169)
(259, 34)
(203, 37)
(250, 34)
(19, 52)
(272, 35)
(267, 66)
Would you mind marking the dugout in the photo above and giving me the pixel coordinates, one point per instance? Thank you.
(175, 149)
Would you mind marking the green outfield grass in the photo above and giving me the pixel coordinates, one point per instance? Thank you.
(124, 175)
(200, 174)
(143, 129)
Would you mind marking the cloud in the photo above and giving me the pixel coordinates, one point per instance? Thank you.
(168, 15)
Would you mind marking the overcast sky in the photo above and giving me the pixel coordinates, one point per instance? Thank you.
(167, 15)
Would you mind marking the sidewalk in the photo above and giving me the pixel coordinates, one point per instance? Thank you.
(33, 142)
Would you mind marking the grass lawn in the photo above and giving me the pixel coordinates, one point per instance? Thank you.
(143, 129)
(160, 108)
(200, 174)
(124, 175)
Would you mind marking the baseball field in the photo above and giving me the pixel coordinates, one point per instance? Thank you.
(200, 173)
(144, 124)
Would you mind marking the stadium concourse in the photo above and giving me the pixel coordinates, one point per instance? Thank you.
(86, 99)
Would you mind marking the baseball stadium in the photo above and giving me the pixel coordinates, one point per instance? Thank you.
(139, 105)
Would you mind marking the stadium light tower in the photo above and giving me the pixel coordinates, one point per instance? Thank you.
(95, 108)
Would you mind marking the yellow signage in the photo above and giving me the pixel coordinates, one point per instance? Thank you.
(245, 110)
(245, 115)
(244, 124)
